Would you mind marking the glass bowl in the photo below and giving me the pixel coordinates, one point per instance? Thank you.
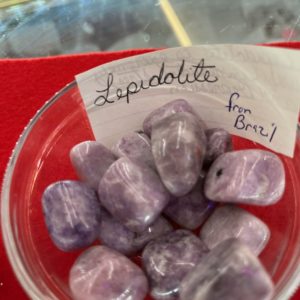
(41, 157)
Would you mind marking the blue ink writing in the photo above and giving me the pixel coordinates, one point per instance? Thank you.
(234, 107)
(201, 73)
(241, 122)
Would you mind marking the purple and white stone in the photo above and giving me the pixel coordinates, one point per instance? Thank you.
(218, 142)
(136, 146)
(72, 214)
(168, 259)
(101, 273)
(90, 160)
(230, 221)
(133, 193)
(246, 176)
(171, 108)
(229, 271)
(191, 210)
(178, 148)
(116, 236)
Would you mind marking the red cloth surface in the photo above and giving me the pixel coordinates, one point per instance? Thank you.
(25, 85)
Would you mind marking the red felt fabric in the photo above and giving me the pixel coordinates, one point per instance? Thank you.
(25, 85)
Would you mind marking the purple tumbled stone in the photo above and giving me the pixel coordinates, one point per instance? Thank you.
(115, 235)
(168, 259)
(178, 148)
(133, 193)
(191, 210)
(229, 271)
(230, 221)
(171, 108)
(101, 273)
(136, 146)
(246, 176)
(72, 214)
(218, 142)
(90, 160)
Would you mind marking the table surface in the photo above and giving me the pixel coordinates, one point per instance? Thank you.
(46, 28)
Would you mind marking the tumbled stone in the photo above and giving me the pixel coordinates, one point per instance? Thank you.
(133, 193)
(168, 259)
(72, 214)
(191, 210)
(218, 142)
(136, 146)
(246, 176)
(115, 235)
(178, 148)
(90, 160)
(230, 221)
(171, 108)
(229, 271)
(101, 273)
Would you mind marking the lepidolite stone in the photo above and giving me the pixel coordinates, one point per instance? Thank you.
(230, 221)
(115, 235)
(168, 259)
(218, 142)
(178, 148)
(136, 146)
(230, 271)
(246, 176)
(90, 160)
(101, 273)
(171, 108)
(191, 210)
(72, 214)
(133, 193)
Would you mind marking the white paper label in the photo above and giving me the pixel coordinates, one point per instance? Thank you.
(251, 91)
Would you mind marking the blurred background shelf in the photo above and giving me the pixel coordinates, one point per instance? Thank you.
(43, 28)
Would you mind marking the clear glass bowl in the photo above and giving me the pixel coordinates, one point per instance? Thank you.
(41, 157)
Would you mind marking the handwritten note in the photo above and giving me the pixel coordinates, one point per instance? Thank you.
(241, 122)
(196, 73)
(251, 91)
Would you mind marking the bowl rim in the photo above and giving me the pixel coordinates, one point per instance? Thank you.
(20, 272)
